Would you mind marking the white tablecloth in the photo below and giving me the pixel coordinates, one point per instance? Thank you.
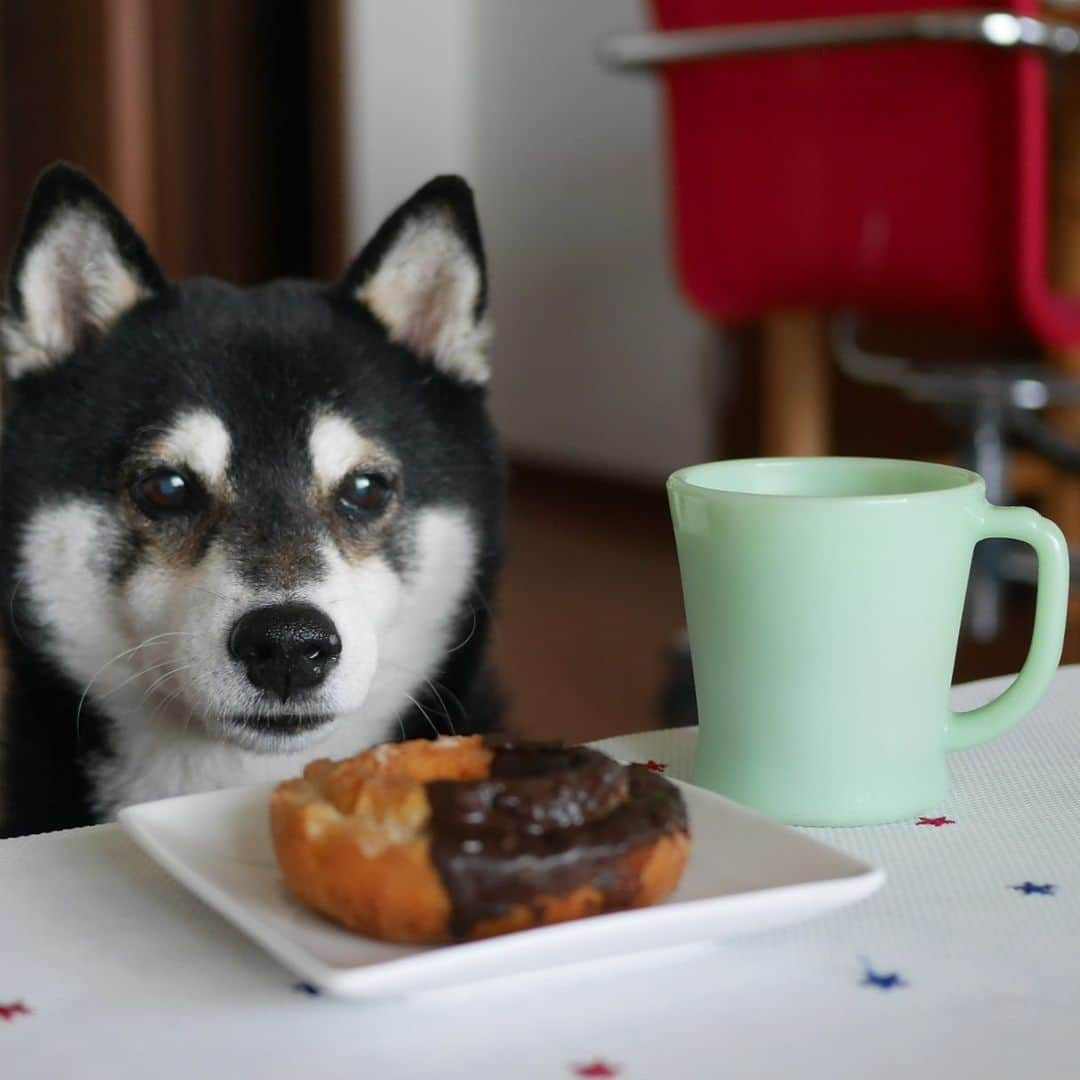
(967, 964)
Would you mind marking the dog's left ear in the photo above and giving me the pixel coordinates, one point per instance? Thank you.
(422, 276)
(79, 265)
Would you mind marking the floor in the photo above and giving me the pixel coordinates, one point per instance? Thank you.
(590, 605)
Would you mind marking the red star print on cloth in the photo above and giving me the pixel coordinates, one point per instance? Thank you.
(652, 766)
(13, 1009)
(937, 822)
(596, 1068)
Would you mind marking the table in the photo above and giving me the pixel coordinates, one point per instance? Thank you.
(966, 964)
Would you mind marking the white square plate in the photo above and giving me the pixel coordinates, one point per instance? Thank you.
(745, 873)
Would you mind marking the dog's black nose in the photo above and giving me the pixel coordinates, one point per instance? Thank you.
(286, 647)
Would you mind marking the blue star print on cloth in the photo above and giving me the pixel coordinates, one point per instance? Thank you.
(1029, 888)
(882, 980)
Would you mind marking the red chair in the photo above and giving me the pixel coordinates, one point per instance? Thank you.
(876, 161)
(866, 156)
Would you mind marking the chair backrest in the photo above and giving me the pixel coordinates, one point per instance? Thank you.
(906, 178)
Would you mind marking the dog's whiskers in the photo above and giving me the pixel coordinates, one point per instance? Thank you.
(424, 713)
(120, 656)
(162, 678)
(210, 592)
(493, 624)
(138, 675)
(166, 701)
(468, 637)
(11, 607)
(435, 687)
(446, 711)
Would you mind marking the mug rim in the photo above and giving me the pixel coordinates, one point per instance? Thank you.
(965, 479)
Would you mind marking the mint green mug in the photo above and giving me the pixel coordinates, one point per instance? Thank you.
(823, 602)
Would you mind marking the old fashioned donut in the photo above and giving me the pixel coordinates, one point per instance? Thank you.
(457, 838)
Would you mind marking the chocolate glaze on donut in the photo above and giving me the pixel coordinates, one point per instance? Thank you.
(535, 787)
(548, 820)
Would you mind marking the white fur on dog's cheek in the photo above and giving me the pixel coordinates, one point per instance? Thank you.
(63, 568)
(356, 598)
(415, 641)
(200, 440)
(361, 599)
(191, 604)
(197, 608)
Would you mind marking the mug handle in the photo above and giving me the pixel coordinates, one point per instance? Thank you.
(1051, 609)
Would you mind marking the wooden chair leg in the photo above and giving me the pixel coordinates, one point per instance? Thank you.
(796, 405)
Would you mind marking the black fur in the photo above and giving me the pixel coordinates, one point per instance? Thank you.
(263, 359)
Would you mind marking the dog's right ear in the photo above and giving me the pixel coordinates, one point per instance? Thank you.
(78, 266)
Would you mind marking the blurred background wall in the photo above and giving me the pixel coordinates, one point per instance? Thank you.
(600, 364)
(251, 139)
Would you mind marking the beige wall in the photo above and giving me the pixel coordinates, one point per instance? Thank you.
(599, 363)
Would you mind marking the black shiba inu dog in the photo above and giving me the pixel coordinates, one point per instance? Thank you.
(240, 528)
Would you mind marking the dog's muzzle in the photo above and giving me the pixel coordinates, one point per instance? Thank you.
(285, 648)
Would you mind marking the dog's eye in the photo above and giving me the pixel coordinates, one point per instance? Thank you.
(363, 495)
(163, 491)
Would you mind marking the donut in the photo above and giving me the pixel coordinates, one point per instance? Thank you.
(460, 838)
